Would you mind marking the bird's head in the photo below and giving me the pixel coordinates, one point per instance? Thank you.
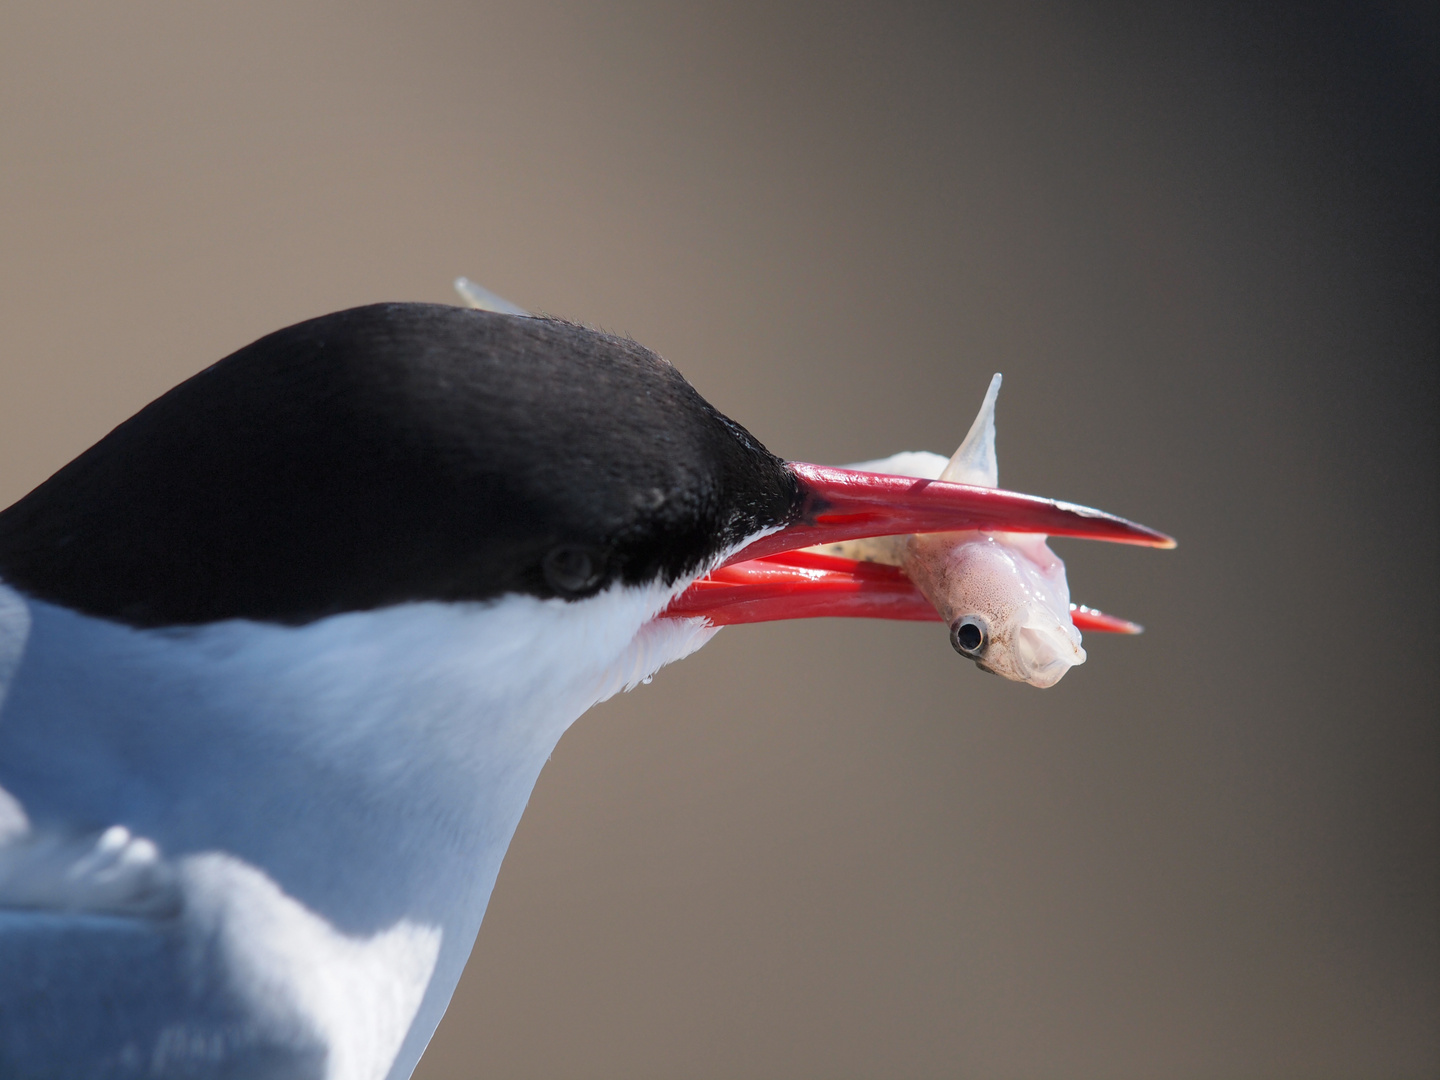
(416, 452)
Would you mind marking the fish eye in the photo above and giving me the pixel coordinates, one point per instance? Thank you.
(572, 569)
(970, 635)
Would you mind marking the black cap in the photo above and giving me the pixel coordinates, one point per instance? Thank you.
(393, 453)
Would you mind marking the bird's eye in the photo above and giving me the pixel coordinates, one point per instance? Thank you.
(970, 635)
(573, 570)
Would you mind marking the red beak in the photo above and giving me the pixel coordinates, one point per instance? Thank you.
(771, 579)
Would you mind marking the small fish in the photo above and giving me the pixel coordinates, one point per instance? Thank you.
(1004, 595)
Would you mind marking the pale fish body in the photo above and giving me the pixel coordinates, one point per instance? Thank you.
(1004, 595)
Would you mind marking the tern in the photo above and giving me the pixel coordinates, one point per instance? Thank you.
(282, 656)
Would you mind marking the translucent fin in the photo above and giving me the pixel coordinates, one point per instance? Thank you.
(974, 463)
(483, 299)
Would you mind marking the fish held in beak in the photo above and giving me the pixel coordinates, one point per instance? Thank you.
(917, 536)
(1011, 584)
(1004, 595)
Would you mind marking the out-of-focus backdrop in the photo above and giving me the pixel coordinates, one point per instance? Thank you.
(1202, 249)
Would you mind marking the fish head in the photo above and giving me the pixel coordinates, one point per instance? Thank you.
(1004, 594)
(1006, 599)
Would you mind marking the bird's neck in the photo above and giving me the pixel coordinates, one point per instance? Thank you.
(420, 727)
(355, 780)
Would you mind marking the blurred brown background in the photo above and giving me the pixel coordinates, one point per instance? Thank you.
(1202, 249)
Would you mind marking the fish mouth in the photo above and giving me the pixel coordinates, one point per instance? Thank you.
(1044, 651)
(771, 578)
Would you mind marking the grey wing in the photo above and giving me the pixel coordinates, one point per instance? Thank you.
(117, 996)
(101, 976)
